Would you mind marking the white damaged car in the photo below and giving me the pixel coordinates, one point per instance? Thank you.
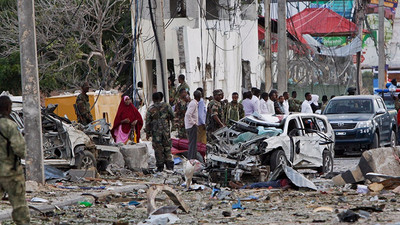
(302, 141)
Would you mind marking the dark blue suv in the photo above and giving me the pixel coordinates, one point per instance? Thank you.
(361, 122)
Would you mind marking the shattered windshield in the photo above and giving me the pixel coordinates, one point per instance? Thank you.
(345, 106)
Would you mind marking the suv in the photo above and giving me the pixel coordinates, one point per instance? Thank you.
(255, 142)
(361, 122)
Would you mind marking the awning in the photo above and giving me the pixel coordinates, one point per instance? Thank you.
(319, 22)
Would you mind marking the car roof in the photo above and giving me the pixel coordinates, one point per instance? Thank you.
(349, 97)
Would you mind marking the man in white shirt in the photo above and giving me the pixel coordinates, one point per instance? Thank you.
(191, 122)
(248, 105)
(286, 102)
(273, 95)
(306, 106)
(263, 103)
(255, 99)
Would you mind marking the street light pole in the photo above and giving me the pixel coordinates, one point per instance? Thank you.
(381, 46)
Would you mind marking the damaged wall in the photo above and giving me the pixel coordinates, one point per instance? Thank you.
(219, 45)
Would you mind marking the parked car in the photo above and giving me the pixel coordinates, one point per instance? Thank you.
(64, 145)
(255, 142)
(361, 122)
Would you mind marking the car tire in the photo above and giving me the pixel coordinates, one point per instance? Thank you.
(375, 144)
(393, 139)
(85, 160)
(278, 157)
(327, 163)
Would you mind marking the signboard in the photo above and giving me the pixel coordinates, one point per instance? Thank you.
(333, 41)
(341, 7)
(387, 3)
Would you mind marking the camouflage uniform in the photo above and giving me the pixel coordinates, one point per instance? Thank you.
(294, 105)
(185, 86)
(213, 108)
(180, 110)
(12, 179)
(82, 103)
(233, 112)
(172, 93)
(158, 118)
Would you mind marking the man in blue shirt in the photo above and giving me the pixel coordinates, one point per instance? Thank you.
(201, 129)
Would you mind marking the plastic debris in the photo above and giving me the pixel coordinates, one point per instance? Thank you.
(348, 216)
(237, 205)
(177, 161)
(135, 203)
(167, 218)
(362, 189)
(85, 204)
(39, 200)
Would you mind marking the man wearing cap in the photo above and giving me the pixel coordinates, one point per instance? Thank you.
(82, 109)
(215, 114)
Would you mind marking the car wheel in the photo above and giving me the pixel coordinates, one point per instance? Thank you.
(278, 157)
(85, 160)
(375, 144)
(327, 163)
(393, 139)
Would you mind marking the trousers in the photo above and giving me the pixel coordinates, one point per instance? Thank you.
(192, 136)
(14, 186)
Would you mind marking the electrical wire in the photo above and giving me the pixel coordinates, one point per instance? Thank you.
(158, 48)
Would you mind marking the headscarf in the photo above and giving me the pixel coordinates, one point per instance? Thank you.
(130, 112)
(315, 99)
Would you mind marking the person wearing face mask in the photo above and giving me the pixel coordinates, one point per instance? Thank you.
(127, 121)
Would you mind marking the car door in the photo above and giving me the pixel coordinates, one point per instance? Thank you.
(384, 122)
(307, 149)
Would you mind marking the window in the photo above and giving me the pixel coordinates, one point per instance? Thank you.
(321, 125)
(292, 126)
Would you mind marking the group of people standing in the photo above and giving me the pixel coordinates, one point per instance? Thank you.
(191, 117)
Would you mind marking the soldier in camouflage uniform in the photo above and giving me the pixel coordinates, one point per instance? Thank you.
(12, 149)
(234, 110)
(180, 111)
(294, 104)
(172, 92)
(183, 85)
(215, 114)
(158, 118)
(83, 106)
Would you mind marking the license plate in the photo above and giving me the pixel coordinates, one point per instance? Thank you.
(340, 133)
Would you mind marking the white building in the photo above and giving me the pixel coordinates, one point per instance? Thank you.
(216, 49)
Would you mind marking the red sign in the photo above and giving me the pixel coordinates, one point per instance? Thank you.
(362, 59)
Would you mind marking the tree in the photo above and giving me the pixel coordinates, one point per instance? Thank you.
(78, 40)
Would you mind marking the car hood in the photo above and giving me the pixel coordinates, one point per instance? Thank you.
(356, 117)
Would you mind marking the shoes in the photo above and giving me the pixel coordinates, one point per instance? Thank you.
(170, 165)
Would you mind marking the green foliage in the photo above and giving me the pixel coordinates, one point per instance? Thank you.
(10, 74)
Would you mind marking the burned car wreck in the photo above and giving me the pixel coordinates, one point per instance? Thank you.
(258, 144)
(68, 144)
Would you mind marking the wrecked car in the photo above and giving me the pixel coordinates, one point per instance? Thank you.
(258, 144)
(64, 145)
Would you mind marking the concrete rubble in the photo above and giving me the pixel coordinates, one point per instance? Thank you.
(132, 197)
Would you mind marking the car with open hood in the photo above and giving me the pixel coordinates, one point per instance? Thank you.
(258, 142)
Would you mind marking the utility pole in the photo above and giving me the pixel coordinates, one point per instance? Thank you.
(360, 25)
(282, 48)
(30, 92)
(381, 46)
(161, 60)
(268, 69)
